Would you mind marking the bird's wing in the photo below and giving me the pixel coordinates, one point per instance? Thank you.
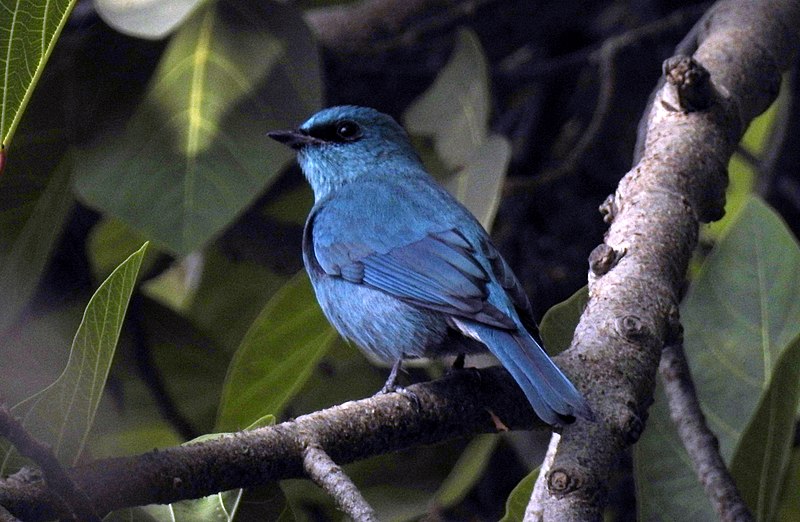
(439, 271)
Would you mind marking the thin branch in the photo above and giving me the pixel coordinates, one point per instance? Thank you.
(697, 438)
(694, 123)
(72, 499)
(330, 477)
(462, 403)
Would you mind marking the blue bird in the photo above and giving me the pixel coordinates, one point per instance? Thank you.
(403, 269)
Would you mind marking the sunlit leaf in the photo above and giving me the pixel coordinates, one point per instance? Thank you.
(28, 33)
(195, 153)
(467, 471)
(558, 324)
(145, 18)
(519, 498)
(276, 357)
(747, 290)
(62, 414)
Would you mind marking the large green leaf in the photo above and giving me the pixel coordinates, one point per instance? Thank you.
(741, 316)
(276, 357)
(789, 510)
(28, 32)
(195, 153)
(62, 414)
(454, 112)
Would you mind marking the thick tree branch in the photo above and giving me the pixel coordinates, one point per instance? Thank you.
(462, 403)
(636, 275)
(697, 438)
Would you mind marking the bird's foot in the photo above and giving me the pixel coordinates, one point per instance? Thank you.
(391, 386)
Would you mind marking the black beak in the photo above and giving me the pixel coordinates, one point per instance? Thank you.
(295, 139)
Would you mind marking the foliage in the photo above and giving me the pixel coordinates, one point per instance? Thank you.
(223, 333)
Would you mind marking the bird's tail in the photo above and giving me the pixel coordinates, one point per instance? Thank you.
(553, 397)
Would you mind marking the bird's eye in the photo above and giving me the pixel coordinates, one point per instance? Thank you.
(348, 130)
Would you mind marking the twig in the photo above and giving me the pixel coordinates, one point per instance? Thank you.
(636, 276)
(606, 58)
(462, 403)
(697, 438)
(57, 480)
(330, 477)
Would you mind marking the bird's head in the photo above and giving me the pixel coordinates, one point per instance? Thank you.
(340, 144)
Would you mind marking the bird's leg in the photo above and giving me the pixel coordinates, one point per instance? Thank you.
(458, 364)
(391, 384)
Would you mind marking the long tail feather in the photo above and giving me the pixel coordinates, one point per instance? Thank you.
(553, 397)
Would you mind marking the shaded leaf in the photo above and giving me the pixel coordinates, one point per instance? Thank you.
(467, 470)
(789, 507)
(558, 324)
(747, 290)
(764, 450)
(455, 109)
(195, 153)
(276, 357)
(145, 18)
(24, 258)
(478, 185)
(62, 414)
(230, 296)
(28, 33)
(518, 499)
(454, 113)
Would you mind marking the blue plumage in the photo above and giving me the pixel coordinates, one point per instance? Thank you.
(400, 267)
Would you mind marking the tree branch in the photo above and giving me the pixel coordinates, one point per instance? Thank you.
(462, 403)
(636, 276)
(330, 477)
(71, 499)
(697, 438)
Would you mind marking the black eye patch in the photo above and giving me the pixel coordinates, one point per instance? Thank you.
(340, 131)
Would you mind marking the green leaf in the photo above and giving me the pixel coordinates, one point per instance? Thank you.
(195, 153)
(28, 33)
(276, 357)
(478, 185)
(740, 317)
(455, 109)
(454, 112)
(467, 471)
(518, 500)
(558, 324)
(62, 414)
(230, 297)
(149, 19)
(764, 450)
(789, 508)
(24, 256)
